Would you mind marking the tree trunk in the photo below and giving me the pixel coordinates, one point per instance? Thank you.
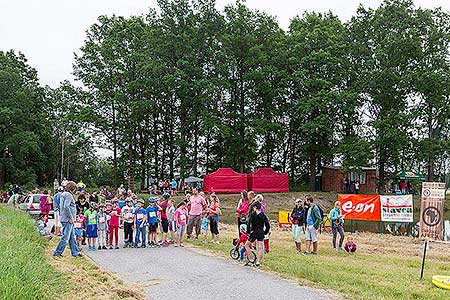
(241, 129)
(114, 138)
(430, 162)
(195, 158)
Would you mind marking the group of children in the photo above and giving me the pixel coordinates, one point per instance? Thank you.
(100, 224)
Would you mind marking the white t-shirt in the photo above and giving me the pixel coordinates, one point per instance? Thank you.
(128, 214)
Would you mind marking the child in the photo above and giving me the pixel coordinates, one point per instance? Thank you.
(41, 225)
(102, 226)
(140, 219)
(78, 228)
(242, 240)
(204, 225)
(116, 212)
(350, 246)
(152, 219)
(180, 218)
(172, 223)
(108, 209)
(91, 225)
(128, 222)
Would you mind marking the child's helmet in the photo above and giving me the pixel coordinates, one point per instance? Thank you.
(152, 200)
(93, 205)
(166, 196)
(141, 201)
(243, 227)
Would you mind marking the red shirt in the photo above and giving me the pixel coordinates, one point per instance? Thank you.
(243, 208)
(242, 239)
(214, 206)
(114, 221)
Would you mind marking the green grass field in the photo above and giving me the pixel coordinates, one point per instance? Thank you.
(384, 267)
(24, 270)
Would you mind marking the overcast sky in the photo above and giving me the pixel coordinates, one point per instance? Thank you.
(48, 32)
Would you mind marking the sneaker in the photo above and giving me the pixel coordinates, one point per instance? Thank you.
(79, 255)
(57, 256)
(217, 242)
(305, 253)
(104, 248)
(314, 253)
(111, 247)
(175, 245)
(257, 264)
(165, 244)
(117, 247)
(99, 248)
(340, 249)
(248, 264)
(181, 245)
(143, 246)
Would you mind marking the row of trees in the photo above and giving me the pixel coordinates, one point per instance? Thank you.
(188, 89)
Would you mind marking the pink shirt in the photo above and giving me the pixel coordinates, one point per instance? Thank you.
(197, 203)
(114, 221)
(180, 214)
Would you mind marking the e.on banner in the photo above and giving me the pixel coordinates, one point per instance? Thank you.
(283, 219)
(360, 207)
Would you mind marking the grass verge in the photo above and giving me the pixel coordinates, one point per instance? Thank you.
(384, 267)
(28, 270)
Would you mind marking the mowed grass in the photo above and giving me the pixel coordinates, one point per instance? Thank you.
(384, 267)
(24, 270)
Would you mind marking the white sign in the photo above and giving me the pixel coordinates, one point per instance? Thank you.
(397, 208)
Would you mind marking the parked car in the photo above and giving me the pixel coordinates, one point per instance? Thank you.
(32, 205)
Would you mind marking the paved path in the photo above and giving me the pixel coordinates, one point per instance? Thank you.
(181, 273)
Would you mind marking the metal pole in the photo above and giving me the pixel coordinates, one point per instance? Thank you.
(425, 246)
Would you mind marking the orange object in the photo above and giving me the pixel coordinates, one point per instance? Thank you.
(360, 207)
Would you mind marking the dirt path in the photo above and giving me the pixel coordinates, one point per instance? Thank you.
(181, 273)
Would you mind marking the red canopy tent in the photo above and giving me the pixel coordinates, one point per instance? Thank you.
(267, 180)
(225, 180)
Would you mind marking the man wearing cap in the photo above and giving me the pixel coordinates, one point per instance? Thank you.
(56, 204)
(67, 214)
(198, 203)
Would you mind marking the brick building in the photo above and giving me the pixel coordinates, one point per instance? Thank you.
(333, 177)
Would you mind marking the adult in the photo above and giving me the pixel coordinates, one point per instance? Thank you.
(81, 204)
(64, 183)
(197, 204)
(357, 187)
(337, 225)
(213, 216)
(402, 186)
(121, 192)
(45, 202)
(68, 214)
(297, 218)
(93, 198)
(313, 220)
(80, 186)
(56, 210)
(55, 186)
(242, 210)
(258, 227)
(173, 186)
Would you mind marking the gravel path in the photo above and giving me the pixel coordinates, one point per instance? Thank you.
(183, 273)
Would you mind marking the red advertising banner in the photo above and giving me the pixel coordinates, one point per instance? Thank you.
(360, 207)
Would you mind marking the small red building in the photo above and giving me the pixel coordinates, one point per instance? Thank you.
(333, 179)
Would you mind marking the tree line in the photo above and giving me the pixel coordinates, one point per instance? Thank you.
(186, 89)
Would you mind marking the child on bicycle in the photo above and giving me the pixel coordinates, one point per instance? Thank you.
(242, 240)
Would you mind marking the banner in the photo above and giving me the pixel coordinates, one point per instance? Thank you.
(283, 219)
(432, 210)
(360, 207)
(397, 208)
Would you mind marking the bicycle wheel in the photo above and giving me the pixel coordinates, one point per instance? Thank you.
(234, 253)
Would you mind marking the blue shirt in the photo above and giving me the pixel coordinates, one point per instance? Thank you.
(68, 210)
(56, 201)
(309, 219)
(152, 214)
(140, 213)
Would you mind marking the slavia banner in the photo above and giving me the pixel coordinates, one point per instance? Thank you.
(432, 210)
(398, 208)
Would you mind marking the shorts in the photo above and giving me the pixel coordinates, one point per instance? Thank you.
(152, 227)
(91, 231)
(311, 233)
(78, 232)
(173, 226)
(256, 236)
(165, 225)
(297, 231)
